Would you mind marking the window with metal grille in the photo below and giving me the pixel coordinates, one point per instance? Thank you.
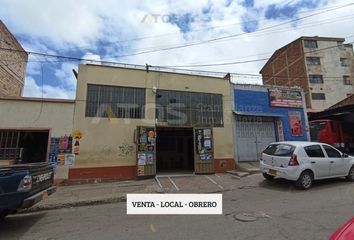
(347, 80)
(178, 108)
(316, 79)
(318, 96)
(344, 62)
(115, 102)
(313, 61)
(310, 43)
(9, 144)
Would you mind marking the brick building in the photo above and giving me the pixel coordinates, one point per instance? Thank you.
(323, 67)
(12, 64)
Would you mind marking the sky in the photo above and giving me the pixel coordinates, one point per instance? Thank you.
(154, 32)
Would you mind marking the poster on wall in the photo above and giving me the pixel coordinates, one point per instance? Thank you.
(69, 159)
(203, 143)
(141, 170)
(141, 159)
(146, 141)
(280, 130)
(285, 98)
(295, 123)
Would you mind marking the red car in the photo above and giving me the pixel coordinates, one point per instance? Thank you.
(346, 232)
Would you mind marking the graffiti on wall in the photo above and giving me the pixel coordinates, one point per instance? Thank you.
(125, 149)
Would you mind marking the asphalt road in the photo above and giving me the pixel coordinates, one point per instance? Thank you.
(282, 213)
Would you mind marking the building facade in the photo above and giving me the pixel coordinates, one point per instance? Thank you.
(323, 67)
(13, 61)
(37, 130)
(266, 114)
(138, 123)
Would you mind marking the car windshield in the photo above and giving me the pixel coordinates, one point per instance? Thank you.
(284, 150)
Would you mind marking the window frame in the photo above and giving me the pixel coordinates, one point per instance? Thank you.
(311, 61)
(332, 148)
(344, 62)
(320, 94)
(310, 43)
(316, 78)
(202, 109)
(117, 99)
(314, 145)
(347, 80)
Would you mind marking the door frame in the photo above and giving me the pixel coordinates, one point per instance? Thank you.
(196, 156)
(151, 167)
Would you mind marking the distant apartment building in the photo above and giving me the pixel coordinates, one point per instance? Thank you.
(13, 61)
(322, 66)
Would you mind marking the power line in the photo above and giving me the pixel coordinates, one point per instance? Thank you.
(228, 36)
(213, 73)
(334, 7)
(242, 62)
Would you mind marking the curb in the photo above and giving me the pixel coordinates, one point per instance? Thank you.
(73, 204)
(90, 203)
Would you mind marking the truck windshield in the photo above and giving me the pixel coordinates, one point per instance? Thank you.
(315, 128)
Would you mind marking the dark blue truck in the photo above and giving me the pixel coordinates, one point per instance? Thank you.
(24, 185)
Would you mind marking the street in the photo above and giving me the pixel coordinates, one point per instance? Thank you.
(279, 211)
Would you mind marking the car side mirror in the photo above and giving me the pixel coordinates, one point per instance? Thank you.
(344, 155)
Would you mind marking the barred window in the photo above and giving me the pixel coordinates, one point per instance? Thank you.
(318, 96)
(310, 43)
(313, 61)
(344, 62)
(179, 108)
(347, 80)
(316, 78)
(115, 102)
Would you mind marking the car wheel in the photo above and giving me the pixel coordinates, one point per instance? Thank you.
(350, 176)
(305, 180)
(268, 177)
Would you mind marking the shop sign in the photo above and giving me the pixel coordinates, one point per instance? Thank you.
(285, 98)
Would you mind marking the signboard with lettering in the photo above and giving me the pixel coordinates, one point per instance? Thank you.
(285, 98)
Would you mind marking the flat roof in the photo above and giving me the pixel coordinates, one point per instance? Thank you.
(188, 72)
(31, 99)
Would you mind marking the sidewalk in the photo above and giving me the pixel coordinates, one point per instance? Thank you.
(114, 192)
(95, 193)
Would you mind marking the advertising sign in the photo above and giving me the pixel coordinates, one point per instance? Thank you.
(285, 98)
(295, 123)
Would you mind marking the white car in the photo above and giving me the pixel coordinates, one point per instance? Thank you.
(305, 162)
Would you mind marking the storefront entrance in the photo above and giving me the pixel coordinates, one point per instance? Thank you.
(23, 146)
(253, 135)
(174, 150)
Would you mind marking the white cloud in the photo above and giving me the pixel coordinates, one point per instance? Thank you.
(73, 24)
(66, 76)
(32, 89)
(90, 56)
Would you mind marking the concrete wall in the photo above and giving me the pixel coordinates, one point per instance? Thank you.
(333, 86)
(26, 113)
(255, 99)
(109, 142)
(34, 114)
(12, 64)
